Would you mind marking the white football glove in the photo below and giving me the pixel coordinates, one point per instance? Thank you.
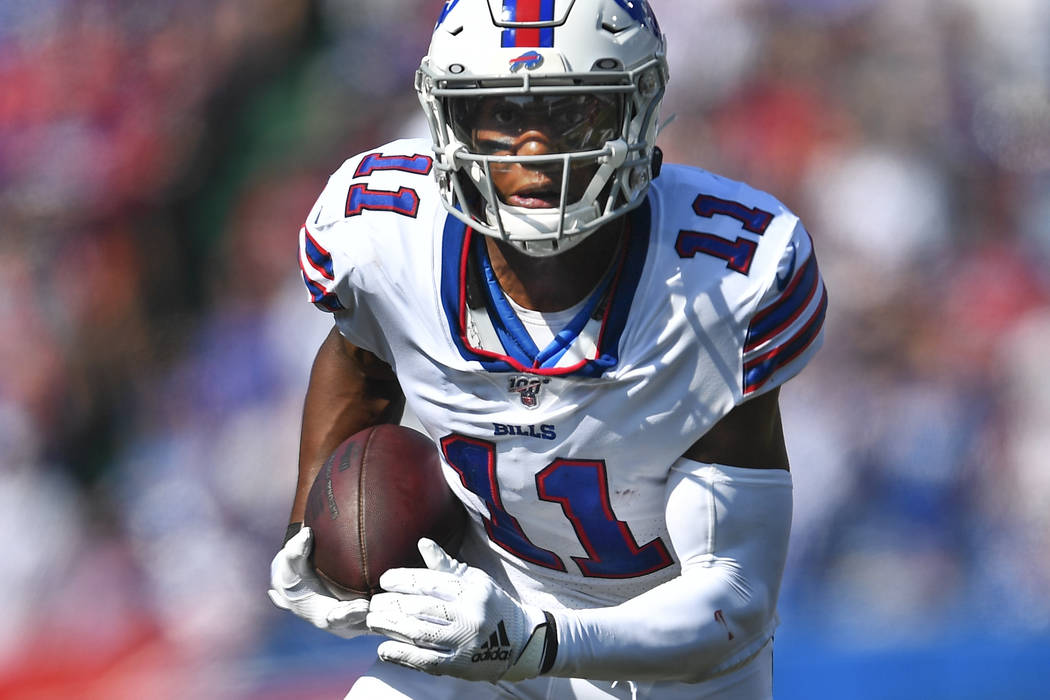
(452, 619)
(295, 586)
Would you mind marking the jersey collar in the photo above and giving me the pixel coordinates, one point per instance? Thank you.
(463, 255)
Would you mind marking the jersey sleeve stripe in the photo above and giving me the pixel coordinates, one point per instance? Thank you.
(323, 299)
(760, 369)
(786, 309)
(316, 283)
(330, 304)
(315, 263)
(318, 258)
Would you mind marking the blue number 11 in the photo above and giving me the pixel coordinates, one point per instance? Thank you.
(737, 253)
(403, 201)
(581, 488)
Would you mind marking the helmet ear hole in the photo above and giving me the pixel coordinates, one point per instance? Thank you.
(607, 64)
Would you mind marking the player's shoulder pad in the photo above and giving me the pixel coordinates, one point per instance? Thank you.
(368, 203)
(725, 228)
(384, 179)
(746, 250)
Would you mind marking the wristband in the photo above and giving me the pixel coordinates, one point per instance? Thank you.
(550, 644)
(292, 531)
(537, 657)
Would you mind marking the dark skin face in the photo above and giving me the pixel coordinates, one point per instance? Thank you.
(554, 282)
(521, 126)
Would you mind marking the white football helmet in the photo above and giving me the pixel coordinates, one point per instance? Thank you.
(595, 70)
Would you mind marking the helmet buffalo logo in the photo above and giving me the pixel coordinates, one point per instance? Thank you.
(530, 61)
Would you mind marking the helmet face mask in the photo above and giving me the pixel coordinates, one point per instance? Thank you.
(593, 87)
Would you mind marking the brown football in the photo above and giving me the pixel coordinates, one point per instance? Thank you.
(377, 494)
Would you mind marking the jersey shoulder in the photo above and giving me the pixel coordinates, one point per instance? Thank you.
(747, 264)
(387, 179)
(372, 208)
(726, 219)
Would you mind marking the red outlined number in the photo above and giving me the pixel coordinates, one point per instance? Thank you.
(405, 201)
(752, 219)
(475, 460)
(417, 164)
(737, 253)
(581, 488)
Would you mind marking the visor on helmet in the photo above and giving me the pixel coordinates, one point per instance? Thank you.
(572, 123)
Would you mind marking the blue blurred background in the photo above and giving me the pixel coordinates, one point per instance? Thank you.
(157, 158)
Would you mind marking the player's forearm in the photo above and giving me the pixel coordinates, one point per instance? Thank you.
(730, 531)
(675, 632)
(349, 390)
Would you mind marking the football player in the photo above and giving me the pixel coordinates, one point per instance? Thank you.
(594, 340)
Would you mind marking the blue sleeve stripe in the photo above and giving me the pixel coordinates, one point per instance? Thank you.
(329, 303)
(760, 369)
(320, 296)
(319, 258)
(316, 291)
(787, 308)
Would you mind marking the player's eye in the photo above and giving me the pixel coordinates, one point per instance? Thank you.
(568, 117)
(506, 115)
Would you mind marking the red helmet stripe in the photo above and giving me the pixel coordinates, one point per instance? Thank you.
(529, 11)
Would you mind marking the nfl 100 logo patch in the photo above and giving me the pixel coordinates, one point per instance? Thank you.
(527, 387)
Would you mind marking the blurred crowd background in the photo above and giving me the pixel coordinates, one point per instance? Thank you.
(157, 158)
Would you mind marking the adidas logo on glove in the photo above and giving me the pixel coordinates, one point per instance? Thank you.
(497, 648)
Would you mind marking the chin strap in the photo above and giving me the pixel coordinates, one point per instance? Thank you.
(658, 161)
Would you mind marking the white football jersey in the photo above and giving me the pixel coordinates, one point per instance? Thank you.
(561, 453)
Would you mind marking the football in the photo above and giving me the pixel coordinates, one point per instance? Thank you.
(376, 495)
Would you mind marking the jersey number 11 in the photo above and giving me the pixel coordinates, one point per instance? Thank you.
(581, 487)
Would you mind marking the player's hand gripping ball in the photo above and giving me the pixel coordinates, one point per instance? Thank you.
(379, 492)
(294, 586)
(453, 619)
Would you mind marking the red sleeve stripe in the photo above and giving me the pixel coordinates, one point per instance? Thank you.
(760, 369)
(318, 258)
(786, 308)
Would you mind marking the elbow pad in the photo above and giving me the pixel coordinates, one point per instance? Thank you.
(729, 527)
